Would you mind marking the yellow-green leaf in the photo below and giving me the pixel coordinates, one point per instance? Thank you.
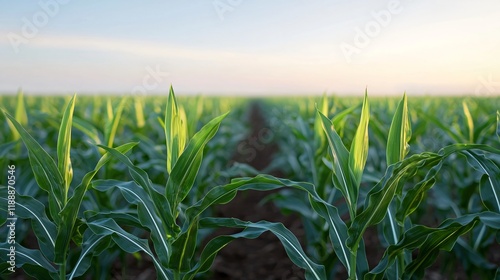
(399, 134)
(359, 147)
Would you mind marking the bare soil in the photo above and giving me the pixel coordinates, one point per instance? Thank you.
(262, 258)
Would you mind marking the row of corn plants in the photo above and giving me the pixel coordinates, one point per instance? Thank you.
(81, 225)
(390, 194)
(157, 171)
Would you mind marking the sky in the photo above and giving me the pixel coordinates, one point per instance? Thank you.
(259, 47)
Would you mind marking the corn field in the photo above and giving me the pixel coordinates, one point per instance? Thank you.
(381, 188)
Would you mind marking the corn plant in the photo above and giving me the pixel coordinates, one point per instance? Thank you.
(173, 223)
(395, 196)
(54, 231)
(390, 189)
(84, 221)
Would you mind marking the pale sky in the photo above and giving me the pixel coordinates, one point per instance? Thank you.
(259, 47)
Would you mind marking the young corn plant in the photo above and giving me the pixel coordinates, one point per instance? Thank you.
(174, 222)
(391, 201)
(389, 198)
(54, 231)
(315, 158)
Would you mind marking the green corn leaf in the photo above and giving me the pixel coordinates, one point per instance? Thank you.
(391, 185)
(183, 248)
(289, 241)
(175, 130)
(498, 125)
(32, 261)
(113, 121)
(109, 108)
(225, 193)
(390, 229)
(161, 122)
(490, 183)
(64, 147)
(170, 133)
(139, 112)
(92, 245)
(337, 233)
(146, 212)
(69, 214)
(161, 204)
(456, 137)
(45, 170)
(88, 129)
(343, 177)
(186, 168)
(27, 207)
(439, 240)
(210, 251)
(359, 147)
(470, 121)
(414, 197)
(20, 115)
(183, 131)
(381, 195)
(399, 134)
(6, 148)
(429, 241)
(195, 115)
(128, 217)
(128, 242)
(469, 254)
(340, 117)
(318, 127)
(416, 194)
(483, 129)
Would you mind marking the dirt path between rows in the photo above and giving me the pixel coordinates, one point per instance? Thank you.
(263, 258)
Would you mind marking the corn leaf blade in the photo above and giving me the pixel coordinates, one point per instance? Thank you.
(175, 130)
(489, 187)
(343, 175)
(223, 194)
(161, 204)
(64, 147)
(146, 213)
(28, 207)
(69, 214)
(430, 241)
(289, 241)
(470, 121)
(184, 247)
(128, 242)
(30, 260)
(113, 121)
(92, 245)
(186, 168)
(399, 134)
(359, 148)
(45, 170)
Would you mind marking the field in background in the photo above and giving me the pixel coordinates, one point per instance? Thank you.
(284, 137)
